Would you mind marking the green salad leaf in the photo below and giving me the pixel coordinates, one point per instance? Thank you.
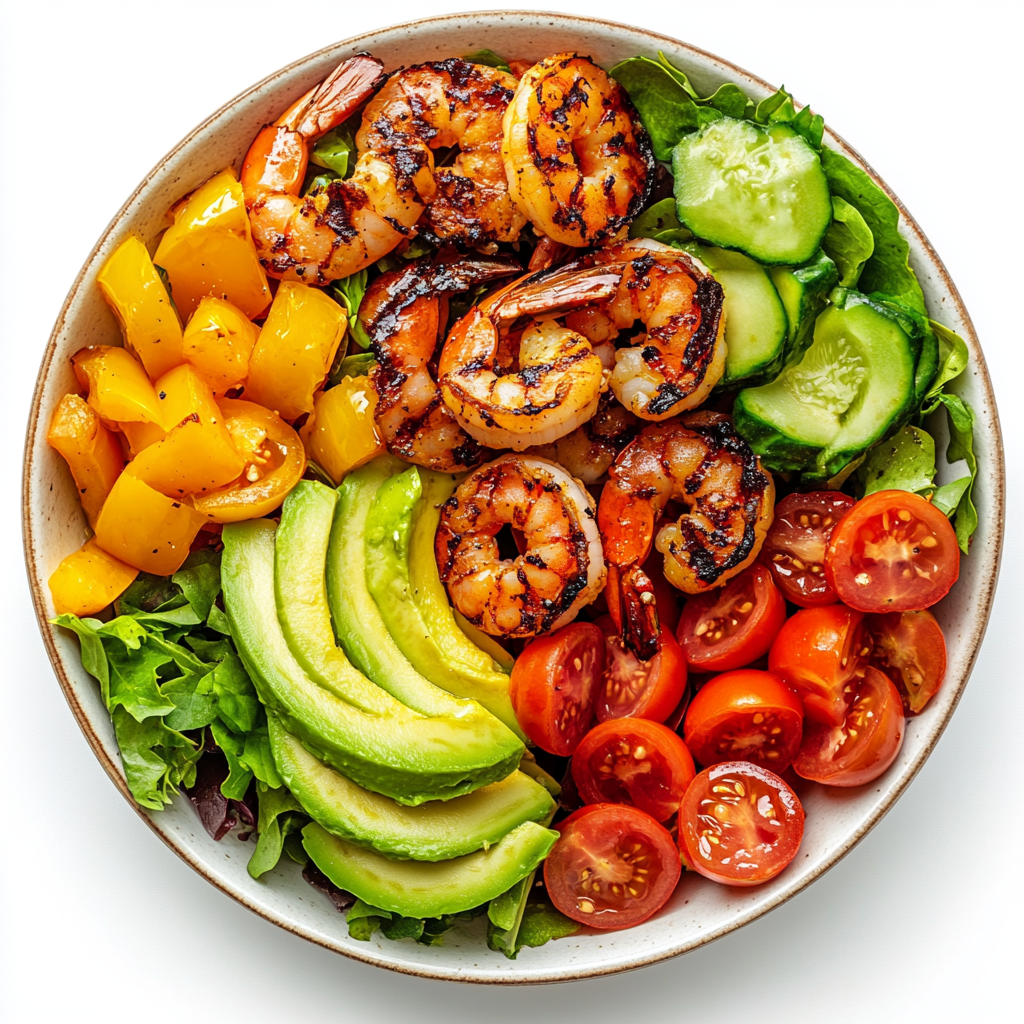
(490, 58)
(904, 462)
(164, 673)
(848, 241)
(280, 815)
(887, 270)
(363, 920)
(336, 150)
(351, 290)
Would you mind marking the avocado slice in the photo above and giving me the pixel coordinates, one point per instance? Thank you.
(407, 756)
(446, 657)
(439, 830)
(417, 889)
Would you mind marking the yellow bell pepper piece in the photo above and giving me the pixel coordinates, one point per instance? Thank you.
(92, 452)
(134, 291)
(145, 528)
(297, 345)
(119, 389)
(340, 435)
(198, 454)
(88, 580)
(218, 343)
(208, 250)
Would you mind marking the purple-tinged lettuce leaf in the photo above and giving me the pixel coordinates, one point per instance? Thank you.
(341, 898)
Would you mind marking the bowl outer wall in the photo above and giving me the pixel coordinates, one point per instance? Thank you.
(54, 525)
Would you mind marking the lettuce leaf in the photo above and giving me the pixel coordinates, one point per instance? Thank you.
(351, 290)
(887, 271)
(280, 815)
(335, 151)
(363, 920)
(848, 241)
(490, 58)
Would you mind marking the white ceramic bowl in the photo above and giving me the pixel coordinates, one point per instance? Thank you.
(54, 526)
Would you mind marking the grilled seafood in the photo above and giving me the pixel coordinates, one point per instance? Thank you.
(405, 311)
(700, 461)
(559, 377)
(339, 230)
(562, 567)
(681, 357)
(578, 160)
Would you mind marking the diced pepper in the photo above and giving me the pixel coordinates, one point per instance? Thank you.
(145, 528)
(297, 345)
(88, 580)
(133, 289)
(119, 389)
(275, 461)
(208, 250)
(218, 342)
(92, 452)
(340, 435)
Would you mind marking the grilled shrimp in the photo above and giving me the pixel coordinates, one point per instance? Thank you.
(334, 232)
(578, 160)
(562, 568)
(681, 357)
(350, 224)
(559, 378)
(404, 312)
(700, 461)
(449, 103)
(589, 451)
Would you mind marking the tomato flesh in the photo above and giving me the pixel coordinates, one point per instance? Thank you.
(745, 715)
(818, 654)
(613, 867)
(910, 649)
(553, 685)
(794, 549)
(740, 824)
(734, 625)
(892, 552)
(631, 688)
(864, 745)
(633, 761)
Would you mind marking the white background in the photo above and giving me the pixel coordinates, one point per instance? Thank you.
(101, 922)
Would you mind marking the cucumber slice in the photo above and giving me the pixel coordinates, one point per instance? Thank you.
(850, 387)
(760, 190)
(804, 292)
(756, 326)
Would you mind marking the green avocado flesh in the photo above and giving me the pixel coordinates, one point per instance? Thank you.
(404, 583)
(408, 756)
(419, 889)
(433, 831)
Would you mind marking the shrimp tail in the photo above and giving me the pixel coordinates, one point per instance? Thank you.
(630, 597)
(337, 97)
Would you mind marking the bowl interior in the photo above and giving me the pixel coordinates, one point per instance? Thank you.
(54, 526)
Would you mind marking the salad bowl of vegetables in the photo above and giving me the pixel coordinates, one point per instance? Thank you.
(184, 734)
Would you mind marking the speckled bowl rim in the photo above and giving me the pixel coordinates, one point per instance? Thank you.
(993, 512)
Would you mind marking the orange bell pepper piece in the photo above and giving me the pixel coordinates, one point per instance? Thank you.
(88, 580)
(208, 250)
(92, 452)
(340, 435)
(145, 528)
(218, 343)
(134, 291)
(275, 461)
(117, 385)
(297, 345)
(197, 454)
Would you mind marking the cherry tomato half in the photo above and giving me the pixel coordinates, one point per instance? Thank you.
(740, 824)
(910, 649)
(734, 625)
(745, 715)
(864, 745)
(892, 552)
(631, 688)
(817, 654)
(794, 549)
(613, 866)
(633, 761)
(553, 685)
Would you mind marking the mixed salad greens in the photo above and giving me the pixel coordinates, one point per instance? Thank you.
(188, 677)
